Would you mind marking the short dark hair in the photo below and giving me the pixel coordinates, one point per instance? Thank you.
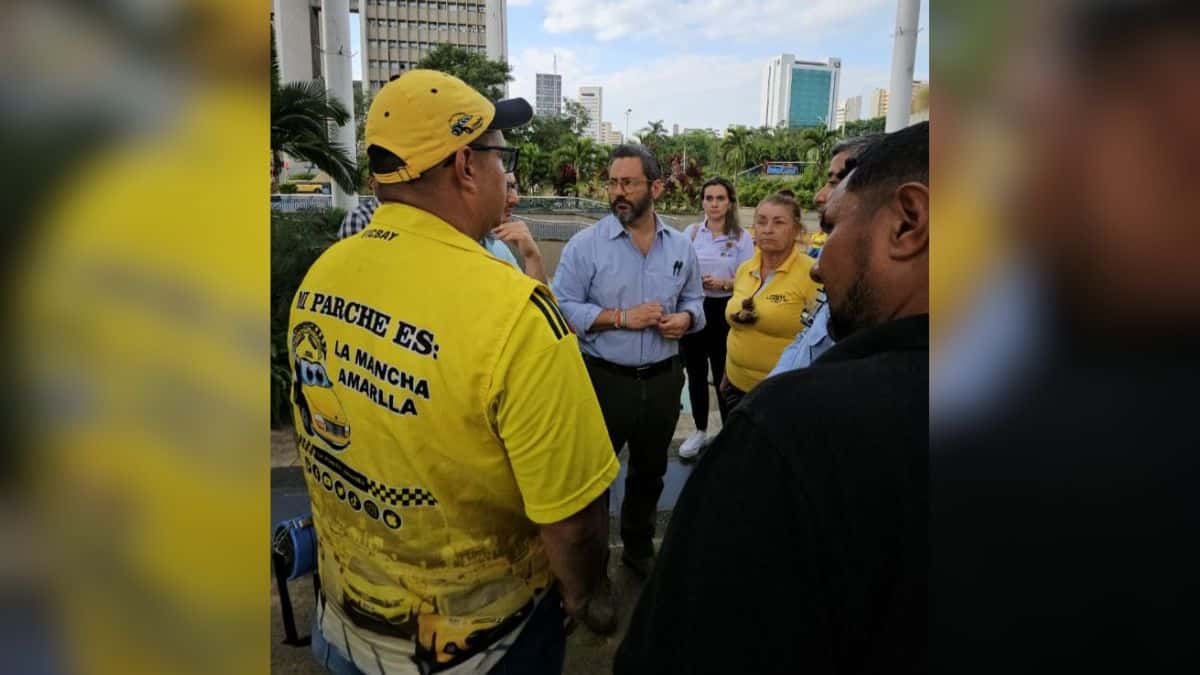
(649, 164)
(855, 145)
(897, 158)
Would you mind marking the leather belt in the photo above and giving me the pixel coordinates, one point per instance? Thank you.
(636, 372)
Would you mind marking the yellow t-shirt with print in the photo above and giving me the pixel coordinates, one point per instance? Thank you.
(443, 411)
(754, 349)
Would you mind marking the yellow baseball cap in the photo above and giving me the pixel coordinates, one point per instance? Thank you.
(423, 116)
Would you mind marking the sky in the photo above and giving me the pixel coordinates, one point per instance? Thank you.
(696, 63)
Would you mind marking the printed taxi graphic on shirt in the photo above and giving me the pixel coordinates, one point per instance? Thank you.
(321, 413)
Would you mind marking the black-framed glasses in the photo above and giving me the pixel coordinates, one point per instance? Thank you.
(625, 184)
(508, 155)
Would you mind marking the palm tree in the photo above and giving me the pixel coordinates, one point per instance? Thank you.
(582, 155)
(653, 136)
(301, 116)
(735, 148)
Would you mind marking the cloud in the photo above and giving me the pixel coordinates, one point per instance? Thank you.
(609, 20)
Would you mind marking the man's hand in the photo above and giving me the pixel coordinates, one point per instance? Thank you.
(643, 316)
(517, 232)
(712, 283)
(673, 326)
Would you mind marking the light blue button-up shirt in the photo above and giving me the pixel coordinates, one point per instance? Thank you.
(500, 250)
(810, 343)
(719, 255)
(601, 268)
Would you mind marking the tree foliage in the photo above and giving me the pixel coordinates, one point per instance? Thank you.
(302, 115)
(865, 127)
(488, 77)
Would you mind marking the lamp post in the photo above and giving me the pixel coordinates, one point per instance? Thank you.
(627, 111)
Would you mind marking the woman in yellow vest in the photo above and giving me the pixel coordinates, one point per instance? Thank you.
(770, 293)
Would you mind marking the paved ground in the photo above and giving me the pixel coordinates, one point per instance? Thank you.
(587, 653)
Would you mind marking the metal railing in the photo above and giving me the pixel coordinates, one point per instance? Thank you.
(552, 204)
(293, 203)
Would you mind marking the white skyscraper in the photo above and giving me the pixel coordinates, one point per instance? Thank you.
(800, 93)
(854, 109)
(592, 100)
(877, 104)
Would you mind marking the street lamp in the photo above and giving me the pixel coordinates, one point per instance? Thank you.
(627, 111)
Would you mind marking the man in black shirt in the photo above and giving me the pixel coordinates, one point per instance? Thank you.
(800, 541)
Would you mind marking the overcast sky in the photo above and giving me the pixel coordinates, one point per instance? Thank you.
(696, 63)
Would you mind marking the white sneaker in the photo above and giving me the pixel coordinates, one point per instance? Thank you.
(691, 446)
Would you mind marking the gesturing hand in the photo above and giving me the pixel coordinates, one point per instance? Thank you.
(643, 316)
(673, 326)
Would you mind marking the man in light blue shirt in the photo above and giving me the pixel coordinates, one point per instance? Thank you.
(630, 288)
(813, 340)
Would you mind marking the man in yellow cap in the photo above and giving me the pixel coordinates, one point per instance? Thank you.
(455, 452)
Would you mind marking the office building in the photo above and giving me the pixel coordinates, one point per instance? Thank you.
(397, 34)
(610, 136)
(877, 104)
(800, 93)
(592, 100)
(853, 107)
(548, 100)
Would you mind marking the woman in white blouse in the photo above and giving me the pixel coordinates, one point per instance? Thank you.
(721, 246)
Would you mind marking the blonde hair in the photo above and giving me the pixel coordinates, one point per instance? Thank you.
(787, 201)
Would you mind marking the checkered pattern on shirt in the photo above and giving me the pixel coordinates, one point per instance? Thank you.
(402, 496)
(357, 220)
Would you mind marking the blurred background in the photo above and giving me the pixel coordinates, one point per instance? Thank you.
(1065, 302)
(1066, 307)
(133, 521)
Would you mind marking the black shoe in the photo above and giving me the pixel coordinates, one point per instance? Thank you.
(600, 612)
(642, 567)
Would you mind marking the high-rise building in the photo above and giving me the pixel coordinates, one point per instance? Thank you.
(548, 101)
(841, 115)
(877, 104)
(674, 129)
(800, 93)
(609, 136)
(397, 34)
(853, 108)
(592, 100)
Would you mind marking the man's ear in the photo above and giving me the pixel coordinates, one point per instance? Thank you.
(465, 171)
(656, 188)
(909, 233)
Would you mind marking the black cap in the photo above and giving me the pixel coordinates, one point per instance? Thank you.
(511, 113)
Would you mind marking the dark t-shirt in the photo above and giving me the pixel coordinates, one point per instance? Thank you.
(800, 541)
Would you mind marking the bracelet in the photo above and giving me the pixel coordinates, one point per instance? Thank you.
(624, 319)
(617, 319)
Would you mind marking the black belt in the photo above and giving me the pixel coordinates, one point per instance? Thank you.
(636, 372)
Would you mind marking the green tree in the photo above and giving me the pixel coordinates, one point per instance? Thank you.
(302, 114)
(486, 76)
(864, 127)
(735, 149)
(578, 116)
(583, 158)
(653, 137)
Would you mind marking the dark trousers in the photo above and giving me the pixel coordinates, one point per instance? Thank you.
(641, 412)
(730, 395)
(702, 351)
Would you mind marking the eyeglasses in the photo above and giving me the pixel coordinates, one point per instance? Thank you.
(508, 156)
(625, 184)
(512, 187)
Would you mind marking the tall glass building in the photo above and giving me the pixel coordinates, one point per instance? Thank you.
(800, 93)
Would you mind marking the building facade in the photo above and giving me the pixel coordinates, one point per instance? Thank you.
(800, 93)
(610, 136)
(397, 34)
(877, 104)
(592, 100)
(854, 109)
(548, 101)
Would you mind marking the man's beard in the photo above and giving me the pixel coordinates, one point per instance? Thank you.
(857, 311)
(636, 209)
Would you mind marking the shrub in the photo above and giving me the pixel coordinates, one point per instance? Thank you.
(287, 189)
(297, 239)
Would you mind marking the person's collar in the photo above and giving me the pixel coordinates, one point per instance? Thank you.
(756, 261)
(612, 228)
(905, 334)
(407, 218)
